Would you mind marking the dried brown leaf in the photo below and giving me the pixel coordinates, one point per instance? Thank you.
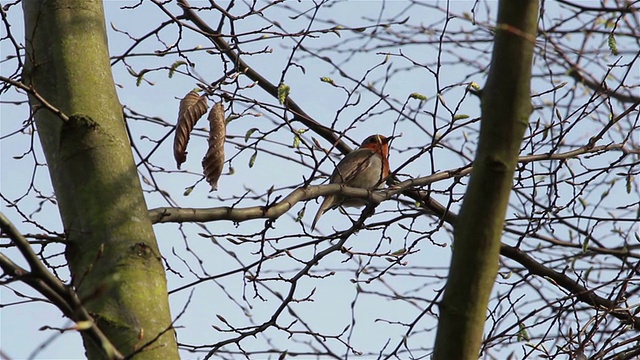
(213, 162)
(192, 107)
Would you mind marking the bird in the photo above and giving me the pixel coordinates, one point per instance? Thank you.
(366, 167)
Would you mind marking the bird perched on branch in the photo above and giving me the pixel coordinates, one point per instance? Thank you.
(365, 167)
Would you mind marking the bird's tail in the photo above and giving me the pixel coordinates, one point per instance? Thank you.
(326, 204)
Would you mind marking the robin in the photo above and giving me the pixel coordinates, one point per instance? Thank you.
(365, 167)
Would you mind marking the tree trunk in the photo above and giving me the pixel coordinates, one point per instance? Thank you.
(112, 252)
(506, 106)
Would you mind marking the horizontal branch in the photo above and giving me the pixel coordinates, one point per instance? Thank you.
(270, 211)
(273, 211)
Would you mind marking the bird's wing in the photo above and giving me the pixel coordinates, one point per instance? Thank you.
(354, 164)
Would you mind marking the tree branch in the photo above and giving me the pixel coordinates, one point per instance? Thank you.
(242, 67)
(31, 91)
(51, 287)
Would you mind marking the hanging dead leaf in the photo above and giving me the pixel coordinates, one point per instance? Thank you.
(214, 160)
(192, 107)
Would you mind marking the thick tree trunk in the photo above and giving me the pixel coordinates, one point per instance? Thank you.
(112, 251)
(506, 106)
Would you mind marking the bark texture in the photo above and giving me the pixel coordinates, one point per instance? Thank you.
(506, 106)
(112, 251)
